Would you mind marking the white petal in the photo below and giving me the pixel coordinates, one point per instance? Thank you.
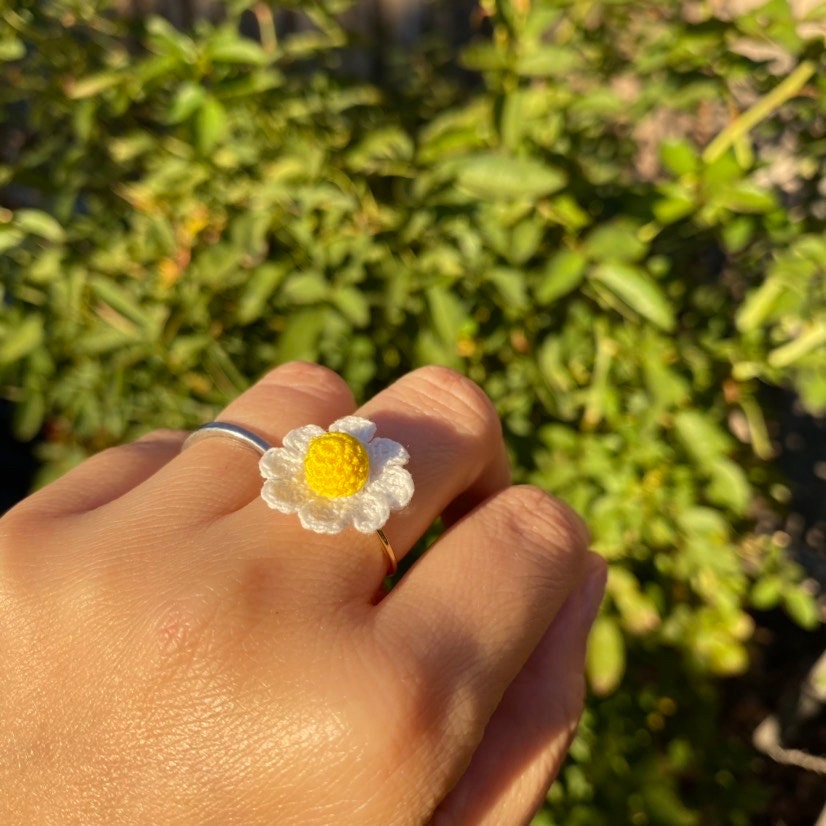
(323, 515)
(372, 512)
(299, 438)
(383, 452)
(279, 463)
(284, 496)
(362, 429)
(395, 484)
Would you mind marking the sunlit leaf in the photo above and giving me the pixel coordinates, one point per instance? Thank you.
(40, 223)
(22, 339)
(564, 272)
(186, 102)
(92, 85)
(210, 124)
(605, 662)
(237, 50)
(638, 290)
(501, 177)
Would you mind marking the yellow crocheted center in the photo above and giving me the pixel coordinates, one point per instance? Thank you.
(336, 465)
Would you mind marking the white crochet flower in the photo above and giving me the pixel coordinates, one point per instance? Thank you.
(339, 477)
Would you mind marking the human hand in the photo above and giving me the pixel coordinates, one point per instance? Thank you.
(175, 652)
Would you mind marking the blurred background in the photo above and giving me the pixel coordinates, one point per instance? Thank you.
(610, 214)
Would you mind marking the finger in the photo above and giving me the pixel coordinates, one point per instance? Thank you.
(454, 437)
(468, 615)
(218, 475)
(107, 476)
(527, 738)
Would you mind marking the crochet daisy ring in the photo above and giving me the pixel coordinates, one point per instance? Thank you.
(332, 479)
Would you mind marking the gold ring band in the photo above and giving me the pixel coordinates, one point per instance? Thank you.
(392, 563)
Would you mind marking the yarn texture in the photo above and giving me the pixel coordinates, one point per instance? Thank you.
(338, 478)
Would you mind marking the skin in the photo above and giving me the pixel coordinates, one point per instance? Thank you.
(175, 652)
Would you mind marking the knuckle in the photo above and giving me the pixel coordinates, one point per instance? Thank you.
(462, 399)
(313, 379)
(147, 447)
(544, 519)
(20, 530)
(162, 437)
(16, 522)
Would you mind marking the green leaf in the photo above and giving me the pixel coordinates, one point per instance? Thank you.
(702, 437)
(637, 610)
(676, 202)
(565, 211)
(93, 85)
(811, 384)
(501, 177)
(563, 274)
(186, 351)
(167, 40)
(635, 287)
(21, 340)
(126, 148)
(353, 304)
(103, 340)
(605, 662)
(48, 267)
(512, 121)
(186, 102)
(679, 156)
(738, 233)
(29, 415)
(525, 239)
(666, 387)
(747, 197)
(510, 284)
(11, 49)
(305, 288)
(726, 656)
(258, 290)
(454, 133)
(210, 124)
(759, 305)
(379, 147)
(300, 336)
(708, 523)
(729, 486)
(123, 302)
(37, 222)
(10, 237)
(484, 57)
(766, 592)
(430, 349)
(237, 49)
(801, 606)
(616, 240)
(447, 314)
(549, 61)
(811, 338)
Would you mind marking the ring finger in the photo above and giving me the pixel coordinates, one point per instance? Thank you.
(457, 459)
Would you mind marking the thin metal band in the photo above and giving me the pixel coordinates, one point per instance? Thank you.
(227, 429)
(392, 563)
(250, 439)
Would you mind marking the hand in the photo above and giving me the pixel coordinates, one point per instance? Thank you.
(173, 651)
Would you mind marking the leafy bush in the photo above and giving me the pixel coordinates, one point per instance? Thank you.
(611, 218)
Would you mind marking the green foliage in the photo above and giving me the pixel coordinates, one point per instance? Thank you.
(618, 233)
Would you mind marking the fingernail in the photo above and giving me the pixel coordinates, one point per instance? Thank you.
(593, 590)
